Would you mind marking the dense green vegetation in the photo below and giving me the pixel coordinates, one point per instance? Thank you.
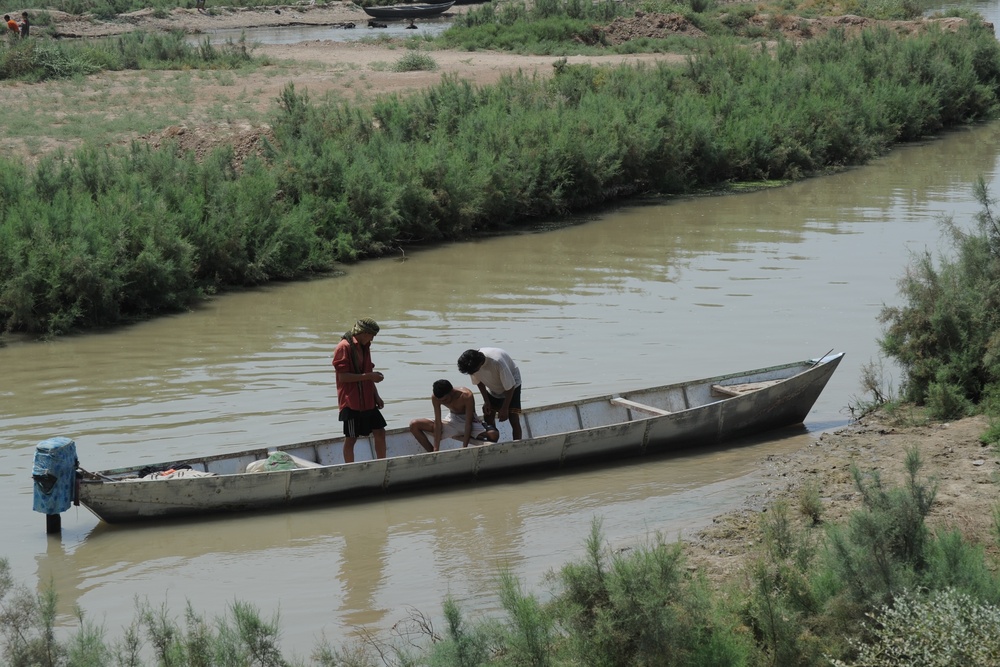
(35, 60)
(104, 235)
(548, 27)
(880, 590)
(946, 335)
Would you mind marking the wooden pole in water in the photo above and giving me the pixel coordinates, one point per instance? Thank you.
(53, 523)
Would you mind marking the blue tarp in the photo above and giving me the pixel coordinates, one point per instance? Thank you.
(54, 472)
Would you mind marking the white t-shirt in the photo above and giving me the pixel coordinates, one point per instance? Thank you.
(499, 372)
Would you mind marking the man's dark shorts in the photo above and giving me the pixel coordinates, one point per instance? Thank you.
(515, 401)
(360, 423)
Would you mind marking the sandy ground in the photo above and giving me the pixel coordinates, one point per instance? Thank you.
(965, 472)
(333, 63)
(213, 107)
(201, 109)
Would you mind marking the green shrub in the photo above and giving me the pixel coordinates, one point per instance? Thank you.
(642, 608)
(780, 602)
(990, 405)
(945, 628)
(810, 503)
(878, 388)
(464, 645)
(947, 401)
(954, 563)
(27, 624)
(946, 336)
(415, 62)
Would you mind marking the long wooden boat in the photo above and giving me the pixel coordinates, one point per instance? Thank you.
(643, 422)
(392, 12)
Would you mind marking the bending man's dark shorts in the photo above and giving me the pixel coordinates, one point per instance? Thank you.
(515, 401)
(359, 423)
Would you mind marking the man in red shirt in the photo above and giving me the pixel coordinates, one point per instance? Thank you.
(357, 395)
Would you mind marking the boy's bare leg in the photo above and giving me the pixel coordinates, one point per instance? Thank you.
(419, 429)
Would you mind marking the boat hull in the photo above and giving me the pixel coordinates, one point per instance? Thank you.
(407, 12)
(646, 422)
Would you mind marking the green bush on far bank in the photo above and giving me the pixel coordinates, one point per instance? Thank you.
(547, 27)
(556, 27)
(39, 59)
(457, 160)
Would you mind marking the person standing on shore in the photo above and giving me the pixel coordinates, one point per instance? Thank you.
(25, 26)
(499, 381)
(357, 395)
(12, 24)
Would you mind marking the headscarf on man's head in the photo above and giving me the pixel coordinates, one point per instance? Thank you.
(365, 325)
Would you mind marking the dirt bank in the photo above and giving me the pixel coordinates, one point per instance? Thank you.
(965, 471)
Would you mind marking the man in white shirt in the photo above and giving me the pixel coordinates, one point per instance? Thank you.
(499, 381)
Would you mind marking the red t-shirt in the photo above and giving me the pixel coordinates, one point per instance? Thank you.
(354, 395)
(12, 24)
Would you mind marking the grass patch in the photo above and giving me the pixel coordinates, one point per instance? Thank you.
(415, 62)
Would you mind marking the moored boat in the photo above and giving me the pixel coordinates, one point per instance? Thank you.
(643, 422)
(391, 12)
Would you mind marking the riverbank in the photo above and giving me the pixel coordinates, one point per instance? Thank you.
(193, 21)
(965, 471)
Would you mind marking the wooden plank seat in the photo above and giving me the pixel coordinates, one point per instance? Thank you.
(739, 389)
(618, 400)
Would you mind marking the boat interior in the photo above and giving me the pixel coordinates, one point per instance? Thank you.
(536, 423)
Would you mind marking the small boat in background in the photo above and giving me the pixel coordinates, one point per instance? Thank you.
(643, 422)
(408, 12)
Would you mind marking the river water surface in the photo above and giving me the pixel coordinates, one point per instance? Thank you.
(639, 295)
